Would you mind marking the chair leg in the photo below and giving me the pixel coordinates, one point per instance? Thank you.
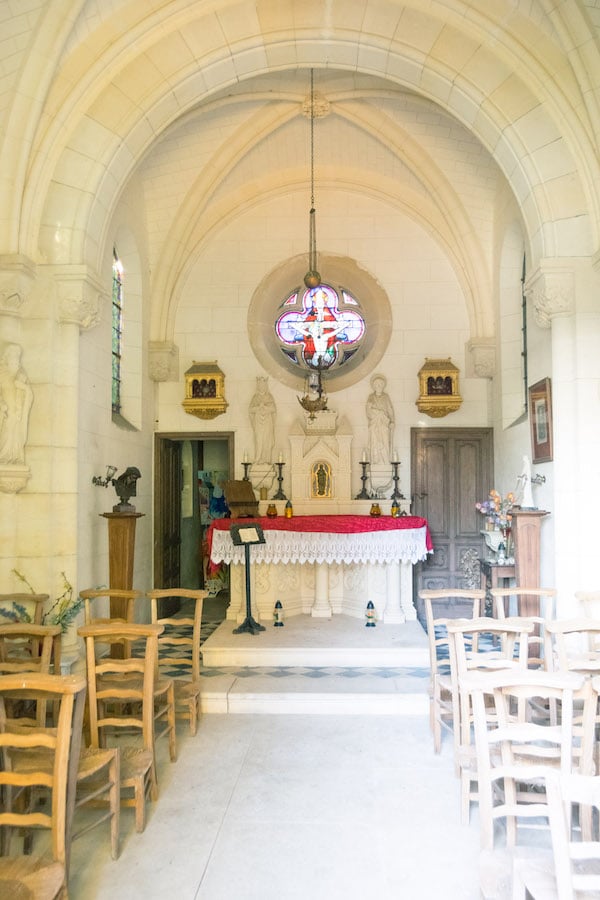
(139, 792)
(171, 721)
(114, 799)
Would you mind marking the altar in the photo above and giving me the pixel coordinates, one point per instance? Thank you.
(323, 565)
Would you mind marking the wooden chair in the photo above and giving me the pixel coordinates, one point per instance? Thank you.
(517, 601)
(32, 603)
(441, 606)
(122, 603)
(507, 648)
(30, 876)
(515, 753)
(120, 608)
(187, 689)
(30, 648)
(573, 645)
(121, 698)
(575, 872)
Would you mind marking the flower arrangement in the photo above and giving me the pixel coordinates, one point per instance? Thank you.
(62, 612)
(497, 510)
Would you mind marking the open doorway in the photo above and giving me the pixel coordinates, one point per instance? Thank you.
(189, 471)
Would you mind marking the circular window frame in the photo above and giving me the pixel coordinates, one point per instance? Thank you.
(340, 272)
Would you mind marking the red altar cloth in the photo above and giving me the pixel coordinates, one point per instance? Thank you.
(331, 524)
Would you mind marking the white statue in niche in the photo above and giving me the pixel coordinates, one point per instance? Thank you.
(262, 413)
(16, 397)
(380, 416)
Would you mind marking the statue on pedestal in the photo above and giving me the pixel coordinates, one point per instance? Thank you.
(380, 415)
(262, 413)
(16, 397)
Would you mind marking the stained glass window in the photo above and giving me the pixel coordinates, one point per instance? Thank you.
(319, 328)
(117, 330)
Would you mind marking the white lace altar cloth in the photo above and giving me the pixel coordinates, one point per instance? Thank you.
(408, 545)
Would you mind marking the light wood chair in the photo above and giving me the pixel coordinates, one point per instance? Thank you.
(122, 602)
(441, 606)
(30, 648)
(513, 602)
(30, 876)
(121, 699)
(32, 603)
(484, 645)
(575, 870)
(515, 753)
(172, 641)
(573, 645)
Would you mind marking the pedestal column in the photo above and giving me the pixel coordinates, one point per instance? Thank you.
(321, 607)
(526, 527)
(121, 552)
(393, 613)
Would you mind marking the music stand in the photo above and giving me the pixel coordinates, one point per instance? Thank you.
(245, 536)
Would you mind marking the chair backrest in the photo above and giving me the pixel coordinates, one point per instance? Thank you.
(441, 607)
(129, 681)
(63, 741)
(27, 648)
(514, 746)
(590, 602)
(179, 644)
(469, 653)
(574, 645)
(576, 862)
(121, 603)
(536, 604)
(30, 648)
(32, 603)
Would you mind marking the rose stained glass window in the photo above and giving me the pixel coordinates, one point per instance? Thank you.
(319, 328)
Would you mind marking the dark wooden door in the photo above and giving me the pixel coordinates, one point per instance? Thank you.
(452, 468)
(167, 514)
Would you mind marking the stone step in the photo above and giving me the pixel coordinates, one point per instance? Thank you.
(306, 641)
(328, 690)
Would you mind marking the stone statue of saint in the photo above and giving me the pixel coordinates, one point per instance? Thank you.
(380, 416)
(16, 397)
(262, 413)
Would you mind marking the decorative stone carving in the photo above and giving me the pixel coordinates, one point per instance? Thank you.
(481, 352)
(552, 292)
(163, 361)
(81, 294)
(17, 274)
(320, 105)
(16, 397)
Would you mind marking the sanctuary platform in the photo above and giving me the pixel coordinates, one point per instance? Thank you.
(329, 666)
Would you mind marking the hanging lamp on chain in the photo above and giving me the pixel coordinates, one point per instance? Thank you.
(312, 279)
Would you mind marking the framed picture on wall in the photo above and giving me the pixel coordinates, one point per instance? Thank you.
(540, 417)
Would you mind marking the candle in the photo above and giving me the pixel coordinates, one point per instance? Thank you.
(395, 456)
(364, 456)
(281, 457)
(245, 456)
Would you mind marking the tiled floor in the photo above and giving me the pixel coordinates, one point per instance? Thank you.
(278, 807)
(291, 806)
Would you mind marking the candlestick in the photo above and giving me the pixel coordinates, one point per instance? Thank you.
(396, 495)
(279, 495)
(246, 466)
(364, 495)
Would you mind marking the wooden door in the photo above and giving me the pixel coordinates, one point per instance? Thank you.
(452, 468)
(167, 513)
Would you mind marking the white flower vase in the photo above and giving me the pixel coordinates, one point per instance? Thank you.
(493, 539)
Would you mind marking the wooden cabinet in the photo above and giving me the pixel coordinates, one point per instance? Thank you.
(526, 529)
